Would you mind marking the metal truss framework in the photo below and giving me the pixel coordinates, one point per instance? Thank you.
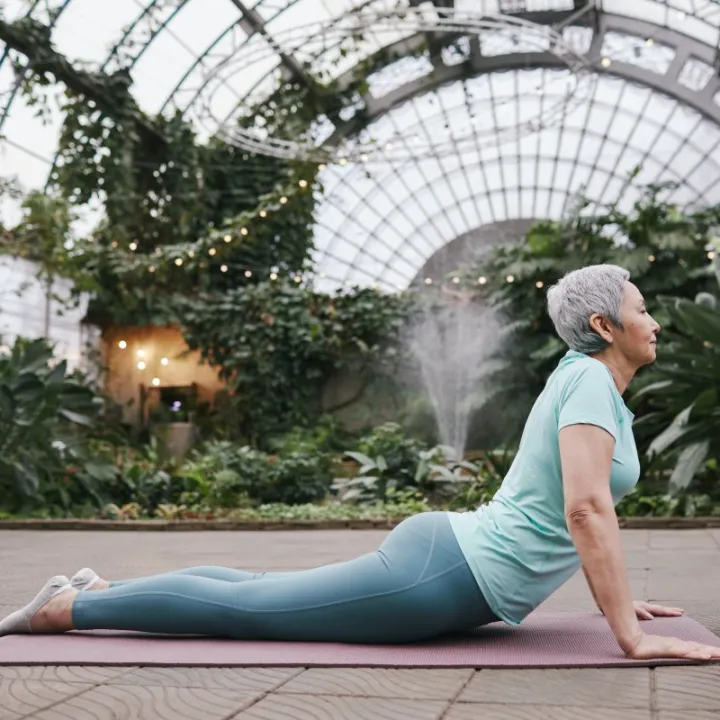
(656, 86)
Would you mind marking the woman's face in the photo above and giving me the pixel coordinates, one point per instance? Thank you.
(637, 340)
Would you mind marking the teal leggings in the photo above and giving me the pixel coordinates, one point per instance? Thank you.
(416, 586)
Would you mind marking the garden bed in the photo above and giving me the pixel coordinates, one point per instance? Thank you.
(630, 523)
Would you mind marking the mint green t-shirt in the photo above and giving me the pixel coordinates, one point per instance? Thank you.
(518, 546)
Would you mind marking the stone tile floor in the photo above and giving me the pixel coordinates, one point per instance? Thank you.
(675, 567)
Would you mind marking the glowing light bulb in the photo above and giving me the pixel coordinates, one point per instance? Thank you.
(151, 269)
(283, 200)
(133, 246)
(228, 238)
(223, 268)
(248, 273)
(141, 365)
(243, 231)
(122, 344)
(482, 280)
(212, 251)
(303, 183)
(263, 213)
(156, 381)
(141, 353)
(539, 284)
(164, 361)
(178, 262)
(510, 278)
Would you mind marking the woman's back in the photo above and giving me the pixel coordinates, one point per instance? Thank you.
(518, 546)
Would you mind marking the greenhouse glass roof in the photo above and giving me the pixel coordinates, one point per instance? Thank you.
(650, 96)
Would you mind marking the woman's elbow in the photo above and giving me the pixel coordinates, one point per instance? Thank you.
(580, 514)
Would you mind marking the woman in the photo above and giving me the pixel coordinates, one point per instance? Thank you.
(440, 572)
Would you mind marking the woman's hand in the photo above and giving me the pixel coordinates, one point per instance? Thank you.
(647, 611)
(655, 646)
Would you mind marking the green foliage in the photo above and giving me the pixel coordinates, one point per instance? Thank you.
(43, 457)
(679, 398)
(228, 476)
(277, 342)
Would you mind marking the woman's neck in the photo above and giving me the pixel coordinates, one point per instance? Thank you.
(621, 370)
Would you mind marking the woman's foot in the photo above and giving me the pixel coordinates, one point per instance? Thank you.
(87, 579)
(21, 621)
(55, 615)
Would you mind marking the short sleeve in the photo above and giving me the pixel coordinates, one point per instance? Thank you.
(588, 398)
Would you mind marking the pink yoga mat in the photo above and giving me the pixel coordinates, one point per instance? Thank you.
(544, 640)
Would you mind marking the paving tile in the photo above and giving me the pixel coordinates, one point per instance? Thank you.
(688, 688)
(681, 539)
(326, 707)
(491, 711)
(611, 687)
(124, 702)
(239, 679)
(379, 682)
(64, 674)
(22, 697)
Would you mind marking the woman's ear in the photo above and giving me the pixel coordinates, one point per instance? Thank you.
(602, 327)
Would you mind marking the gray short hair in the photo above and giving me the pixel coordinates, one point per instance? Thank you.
(579, 294)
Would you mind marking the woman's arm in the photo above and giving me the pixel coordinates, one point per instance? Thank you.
(586, 455)
(591, 588)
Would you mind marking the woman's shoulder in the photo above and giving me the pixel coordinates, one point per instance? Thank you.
(584, 372)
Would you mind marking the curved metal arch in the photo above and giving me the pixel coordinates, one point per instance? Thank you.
(549, 158)
(666, 83)
(388, 264)
(147, 10)
(208, 51)
(498, 232)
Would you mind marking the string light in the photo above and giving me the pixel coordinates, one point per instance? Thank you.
(178, 262)
(122, 344)
(510, 278)
(606, 62)
(428, 281)
(141, 365)
(243, 231)
(151, 269)
(539, 284)
(228, 238)
(156, 381)
(248, 274)
(191, 254)
(212, 251)
(456, 280)
(141, 353)
(651, 258)
(321, 167)
(482, 279)
(164, 361)
(273, 276)
(133, 246)
(283, 200)
(303, 183)
(711, 254)
(263, 213)
(298, 279)
(223, 268)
